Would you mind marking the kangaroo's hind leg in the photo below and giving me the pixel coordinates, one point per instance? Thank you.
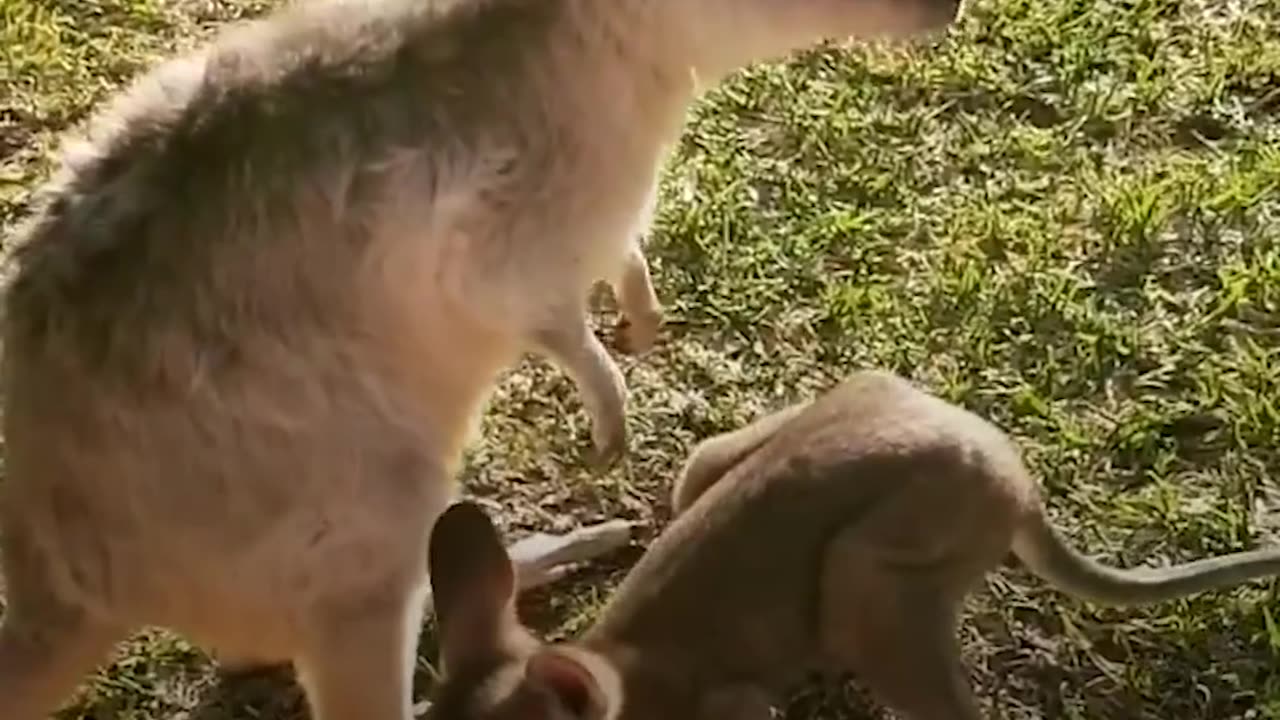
(896, 630)
(358, 657)
(716, 455)
(47, 648)
(43, 661)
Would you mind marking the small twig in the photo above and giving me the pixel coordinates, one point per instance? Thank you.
(543, 558)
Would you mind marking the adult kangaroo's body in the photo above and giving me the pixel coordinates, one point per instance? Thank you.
(258, 310)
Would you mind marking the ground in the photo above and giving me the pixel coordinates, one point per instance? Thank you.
(1065, 216)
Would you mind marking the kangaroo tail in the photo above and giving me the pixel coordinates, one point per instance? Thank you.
(1049, 556)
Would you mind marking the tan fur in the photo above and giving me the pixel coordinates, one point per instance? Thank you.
(258, 311)
(839, 534)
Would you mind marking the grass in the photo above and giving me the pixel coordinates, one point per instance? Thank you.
(1066, 217)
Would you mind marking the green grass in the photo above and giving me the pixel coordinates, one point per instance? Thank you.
(1066, 217)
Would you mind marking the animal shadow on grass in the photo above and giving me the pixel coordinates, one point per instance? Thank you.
(260, 692)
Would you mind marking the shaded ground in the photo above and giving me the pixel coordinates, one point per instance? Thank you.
(1066, 217)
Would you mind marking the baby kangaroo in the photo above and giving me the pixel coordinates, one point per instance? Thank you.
(256, 313)
(840, 534)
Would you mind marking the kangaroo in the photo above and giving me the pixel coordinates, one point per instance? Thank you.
(841, 534)
(257, 311)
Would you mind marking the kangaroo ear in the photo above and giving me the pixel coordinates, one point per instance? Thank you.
(576, 685)
(473, 583)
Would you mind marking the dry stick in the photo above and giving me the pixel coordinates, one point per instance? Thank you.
(543, 558)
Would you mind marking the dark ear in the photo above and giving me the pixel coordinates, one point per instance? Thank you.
(473, 583)
(570, 681)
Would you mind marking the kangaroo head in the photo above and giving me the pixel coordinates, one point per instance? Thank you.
(494, 668)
